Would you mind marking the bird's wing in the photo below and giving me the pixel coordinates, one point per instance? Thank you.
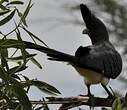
(104, 61)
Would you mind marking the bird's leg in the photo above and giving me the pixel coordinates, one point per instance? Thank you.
(89, 93)
(91, 97)
(110, 95)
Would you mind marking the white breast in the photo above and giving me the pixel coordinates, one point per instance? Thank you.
(92, 77)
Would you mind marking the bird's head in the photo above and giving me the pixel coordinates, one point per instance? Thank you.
(95, 28)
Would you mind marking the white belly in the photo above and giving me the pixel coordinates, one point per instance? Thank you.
(92, 77)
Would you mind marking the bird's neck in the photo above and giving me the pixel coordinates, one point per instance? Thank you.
(99, 40)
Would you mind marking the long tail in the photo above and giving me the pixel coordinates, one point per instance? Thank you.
(53, 54)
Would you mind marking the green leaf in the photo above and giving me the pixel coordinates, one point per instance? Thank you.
(20, 58)
(4, 63)
(7, 19)
(39, 108)
(104, 108)
(17, 89)
(19, 107)
(15, 3)
(35, 61)
(23, 18)
(44, 87)
(3, 12)
(45, 106)
(34, 36)
(3, 96)
(20, 93)
(23, 51)
(17, 69)
(2, 7)
(26, 78)
(10, 43)
(4, 52)
(19, 13)
(117, 104)
(2, 1)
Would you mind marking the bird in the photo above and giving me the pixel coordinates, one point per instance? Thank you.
(96, 63)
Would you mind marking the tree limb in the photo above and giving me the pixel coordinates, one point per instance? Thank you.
(70, 102)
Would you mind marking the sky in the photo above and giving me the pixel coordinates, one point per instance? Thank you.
(45, 21)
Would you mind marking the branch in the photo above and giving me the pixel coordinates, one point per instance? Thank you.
(82, 100)
(71, 102)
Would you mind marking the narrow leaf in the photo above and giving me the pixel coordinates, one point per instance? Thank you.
(34, 36)
(17, 69)
(22, 97)
(45, 106)
(10, 43)
(7, 19)
(20, 58)
(44, 87)
(23, 47)
(35, 61)
(39, 108)
(117, 104)
(3, 12)
(23, 18)
(17, 89)
(15, 3)
(2, 6)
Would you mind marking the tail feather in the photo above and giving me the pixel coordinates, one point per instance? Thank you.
(53, 54)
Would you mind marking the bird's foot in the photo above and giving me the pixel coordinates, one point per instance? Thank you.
(90, 100)
(111, 96)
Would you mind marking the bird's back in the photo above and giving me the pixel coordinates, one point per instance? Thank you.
(102, 58)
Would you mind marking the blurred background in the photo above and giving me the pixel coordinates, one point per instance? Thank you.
(59, 24)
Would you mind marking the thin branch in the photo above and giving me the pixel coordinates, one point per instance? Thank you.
(71, 102)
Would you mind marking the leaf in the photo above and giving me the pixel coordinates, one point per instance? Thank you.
(3, 7)
(23, 51)
(20, 58)
(20, 93)
(4, 63)
(34, 36)
(19, 107)
(4, 52)
(3, 12)
(7, 19)
(15, 3)
(45, 106)
(23, 18)
(17, 89)
(17, 69)
(35, 61)
(19, 13)
(117, 104)
(104, 108)
(10, 43)
(2, 1)
(44, 87)
(25, 77)
(39, 108)
(3, 96)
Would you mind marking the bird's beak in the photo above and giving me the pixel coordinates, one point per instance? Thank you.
(85, 31)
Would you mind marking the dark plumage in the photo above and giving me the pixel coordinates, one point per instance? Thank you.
(98, 62)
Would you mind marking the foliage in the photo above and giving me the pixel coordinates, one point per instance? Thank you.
(14, 86)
